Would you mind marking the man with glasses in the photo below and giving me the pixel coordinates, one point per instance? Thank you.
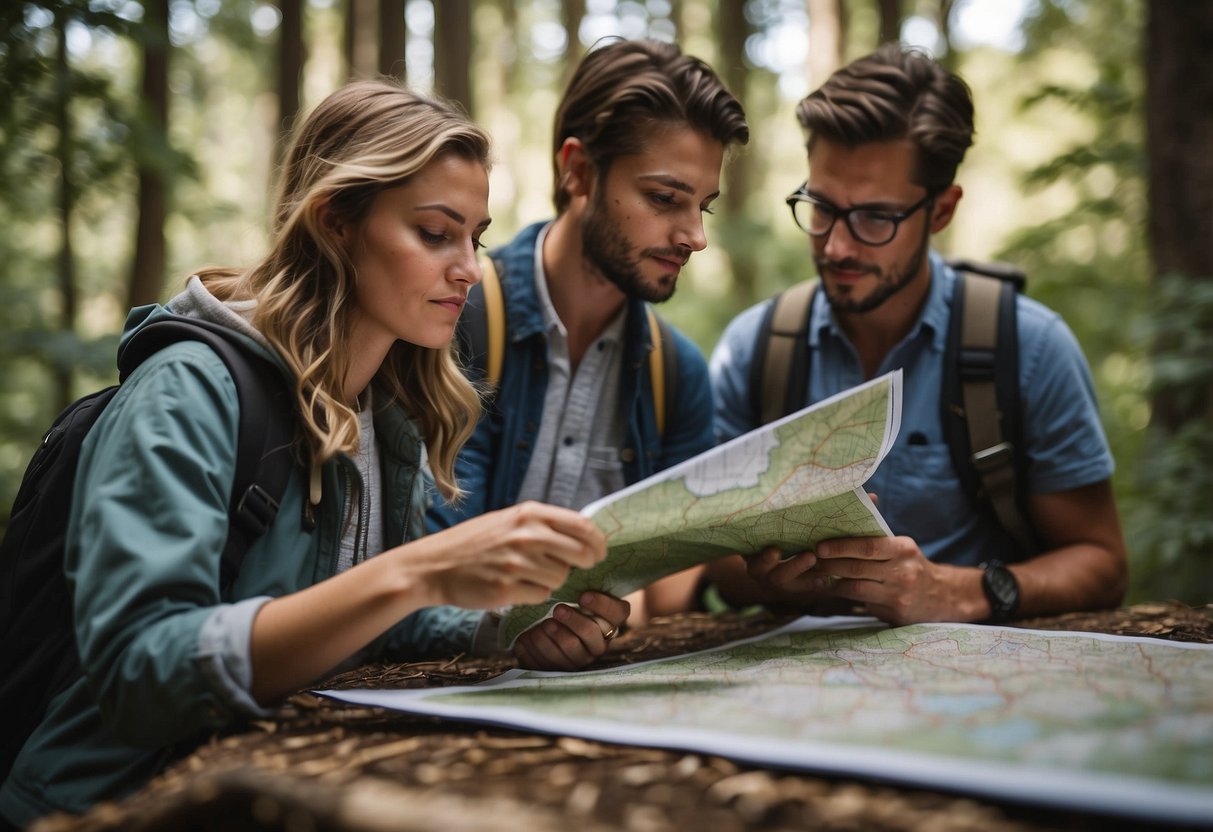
(885, 137)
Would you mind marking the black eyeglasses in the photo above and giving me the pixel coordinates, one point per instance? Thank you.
(870, 226)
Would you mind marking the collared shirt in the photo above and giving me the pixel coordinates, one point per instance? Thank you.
(918, 490)
(576, 457)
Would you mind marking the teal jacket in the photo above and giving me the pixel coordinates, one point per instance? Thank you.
(164, 653)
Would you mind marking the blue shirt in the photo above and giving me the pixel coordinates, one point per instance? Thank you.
(919, 493)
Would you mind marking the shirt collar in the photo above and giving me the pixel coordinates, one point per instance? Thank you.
(933, 320)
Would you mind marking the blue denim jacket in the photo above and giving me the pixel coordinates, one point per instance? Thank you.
(491, 466)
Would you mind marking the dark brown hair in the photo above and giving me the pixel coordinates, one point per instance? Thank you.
(895, 93)
(622, 90)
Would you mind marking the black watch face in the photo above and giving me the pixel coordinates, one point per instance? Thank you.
(1002, 586)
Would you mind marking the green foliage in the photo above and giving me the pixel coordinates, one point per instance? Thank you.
(1169, 520)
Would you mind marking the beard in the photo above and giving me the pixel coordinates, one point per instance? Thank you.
(605, 248)
(888, 283)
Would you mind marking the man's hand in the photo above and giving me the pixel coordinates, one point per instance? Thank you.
(573, 637)
(889, 576)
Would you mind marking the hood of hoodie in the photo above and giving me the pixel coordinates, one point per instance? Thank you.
(197, 302)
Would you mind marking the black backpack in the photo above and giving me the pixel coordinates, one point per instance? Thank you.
(979, 405)
(38, 654)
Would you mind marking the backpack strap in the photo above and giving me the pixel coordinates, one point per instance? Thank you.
(663, 367)
(264, 458)
(779, 373)
(481, 331)
(981, 411)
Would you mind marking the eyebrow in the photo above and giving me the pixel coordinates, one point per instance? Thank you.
(676, 184)
(452, 213)
(884, 207)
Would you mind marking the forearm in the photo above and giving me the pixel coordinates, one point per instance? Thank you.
(298, 637)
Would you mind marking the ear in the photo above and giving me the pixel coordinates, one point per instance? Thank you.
(576, 169)
(330, 222)
(944, 208)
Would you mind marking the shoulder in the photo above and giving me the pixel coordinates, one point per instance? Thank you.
(737, 343)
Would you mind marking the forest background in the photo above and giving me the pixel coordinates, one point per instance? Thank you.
(138, 141)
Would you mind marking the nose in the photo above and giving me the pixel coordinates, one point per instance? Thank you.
(691, 234)
(467, 268)
(838, 243)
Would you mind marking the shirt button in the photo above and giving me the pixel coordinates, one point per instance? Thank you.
(601, 346)
(568, 440)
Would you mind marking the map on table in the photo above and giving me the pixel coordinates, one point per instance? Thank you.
(791, 483)
(1108, 724)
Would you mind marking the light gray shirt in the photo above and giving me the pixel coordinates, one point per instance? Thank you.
(576, 455)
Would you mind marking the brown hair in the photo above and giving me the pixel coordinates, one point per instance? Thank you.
(622, 90)
(362, 139)
(895, 93)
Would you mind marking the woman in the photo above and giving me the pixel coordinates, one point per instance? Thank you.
(383, 202)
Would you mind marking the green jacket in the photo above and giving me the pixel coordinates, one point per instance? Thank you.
(165, 655)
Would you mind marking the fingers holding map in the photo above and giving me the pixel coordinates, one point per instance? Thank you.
(791, 483)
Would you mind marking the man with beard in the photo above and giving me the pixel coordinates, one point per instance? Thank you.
(885, 136)
(640, 136)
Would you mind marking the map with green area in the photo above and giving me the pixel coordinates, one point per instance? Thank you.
(1098, 723)
(791, 483)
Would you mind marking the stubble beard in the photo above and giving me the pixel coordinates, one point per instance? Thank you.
(887, 283)
(610, 253)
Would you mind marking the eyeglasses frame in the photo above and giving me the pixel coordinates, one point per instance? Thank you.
(802, 194)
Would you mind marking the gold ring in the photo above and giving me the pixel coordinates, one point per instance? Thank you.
(610, 634)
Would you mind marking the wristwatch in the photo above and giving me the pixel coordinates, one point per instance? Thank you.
(1001, 588)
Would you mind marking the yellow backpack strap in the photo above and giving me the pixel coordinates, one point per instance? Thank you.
(494, 311)
(657, 368)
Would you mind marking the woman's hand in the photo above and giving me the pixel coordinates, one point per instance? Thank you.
(574, 636)
(516, 555)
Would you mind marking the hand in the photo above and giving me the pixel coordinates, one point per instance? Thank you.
(895, 581)
(516, 555)
(573, 638)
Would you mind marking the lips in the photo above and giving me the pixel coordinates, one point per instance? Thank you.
(454, 303)
(671, 264)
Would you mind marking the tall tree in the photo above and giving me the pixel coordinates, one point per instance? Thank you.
(732, 30)
(147, 271)
(362, 38)
(572, 12)
(1179, 133)
(66, 198)
(292, 55)
(827, 37)
(890, 20)
(392, 39)
(453, 50)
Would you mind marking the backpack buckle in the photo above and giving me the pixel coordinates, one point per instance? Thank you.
(256, 509)
(976, 365)
(995, 456)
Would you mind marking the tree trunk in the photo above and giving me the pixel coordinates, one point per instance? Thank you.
(291, 57)
(67, 205)
(1179, 133)
(827, 35)
(453, 51)
(392, 39)
(362, 38)
(890, 21)
(147, 271)
(572, 12)
(732, 30)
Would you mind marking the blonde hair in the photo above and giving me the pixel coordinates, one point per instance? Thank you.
(363, 139)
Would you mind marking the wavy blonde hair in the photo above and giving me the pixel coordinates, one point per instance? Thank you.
(363, 139)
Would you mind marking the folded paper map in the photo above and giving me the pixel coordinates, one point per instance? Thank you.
(791, 483)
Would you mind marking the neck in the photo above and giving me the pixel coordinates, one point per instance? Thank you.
(585, 300)
(876, 332)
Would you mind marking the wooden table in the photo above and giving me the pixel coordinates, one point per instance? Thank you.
(320, 765)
